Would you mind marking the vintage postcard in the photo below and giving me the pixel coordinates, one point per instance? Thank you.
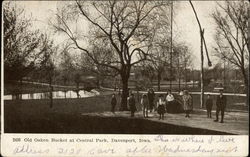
(125, 78)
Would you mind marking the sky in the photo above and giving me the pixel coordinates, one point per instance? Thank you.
(185, 25)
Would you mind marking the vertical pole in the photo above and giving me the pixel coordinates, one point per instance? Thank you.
(185, 70)
(179, 74)
(193, 77)
(202, 72)
(235, 80)
(224, 76)
(171, 46)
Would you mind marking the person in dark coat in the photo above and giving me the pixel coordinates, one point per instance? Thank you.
(113, 103)
(221, 102)
(144, 103)
(131, 104)
(209, 105)
(151, 97)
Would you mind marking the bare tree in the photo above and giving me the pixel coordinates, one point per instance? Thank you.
(159, 54)
(183, 61)
(122, 23)
(159, 60)
(231, 36)
(47, 65)
(66, 65)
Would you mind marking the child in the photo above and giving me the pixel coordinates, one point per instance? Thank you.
(161, 107)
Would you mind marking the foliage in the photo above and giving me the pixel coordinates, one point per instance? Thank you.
(23, 47)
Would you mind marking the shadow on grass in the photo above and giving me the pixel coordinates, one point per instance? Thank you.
(77, 124)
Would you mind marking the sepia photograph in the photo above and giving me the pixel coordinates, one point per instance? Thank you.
(125, 67)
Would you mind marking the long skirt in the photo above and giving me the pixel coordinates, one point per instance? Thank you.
(161, 109)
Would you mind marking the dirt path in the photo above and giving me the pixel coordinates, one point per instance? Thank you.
(234, 122)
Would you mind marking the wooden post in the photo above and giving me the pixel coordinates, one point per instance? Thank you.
(202, 58)
(179, 74)
(202, 71)
(193, 76)
(171, 47)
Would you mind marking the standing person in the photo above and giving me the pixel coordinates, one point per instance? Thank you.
(113, 103)
(220, 106)
(119, 100)
(151, 97)
(131, 103)
(144, 103)
(169, 102)
(209, 104)
(161, 107)
(187, 103)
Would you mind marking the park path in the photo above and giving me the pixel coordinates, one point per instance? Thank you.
(234, 122)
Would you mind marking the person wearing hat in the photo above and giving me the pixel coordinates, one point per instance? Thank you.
(221, 102)
(145, 105)
(131, 103)
(187, 103)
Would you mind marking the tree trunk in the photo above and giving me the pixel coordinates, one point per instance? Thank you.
(20, 95)
(185, 77)
(125, 92)
(193, 77)
(77, 90)
(246, 82)
(159, 81)
(51, 93)
(247, 92)
(179, 81)
(64, 82)
(98, 81)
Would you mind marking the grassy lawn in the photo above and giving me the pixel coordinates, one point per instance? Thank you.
(35, 115)
(15, 87)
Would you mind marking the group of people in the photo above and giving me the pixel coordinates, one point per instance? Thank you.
(162, 103)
